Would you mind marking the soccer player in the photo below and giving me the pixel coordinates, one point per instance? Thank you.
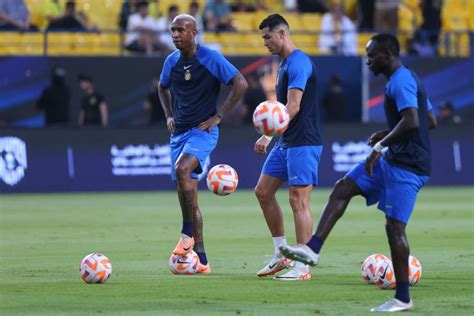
(193, 75)
(391, 177)
(295, 156)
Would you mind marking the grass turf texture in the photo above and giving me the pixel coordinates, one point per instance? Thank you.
(45, 236)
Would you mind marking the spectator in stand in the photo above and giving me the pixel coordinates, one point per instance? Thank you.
(447, 114)
(314, 6)
(338, 33)
(217, 16)
(129, 7)
(386, 15)
(142, 32)
(247, 6)
(71, 20)
(55, 99)
(164, 24)
(14, 16)
(94, 110)
(365, 15)
(152, 104)
(254, 95)
(334, 100)
(194, 12)
(52, 10)
(431, 26)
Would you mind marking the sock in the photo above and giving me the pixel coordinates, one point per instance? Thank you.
(315, 244)
(402, 293)
(187, 229)
(277, 242)
(202, 257)
(301, 267)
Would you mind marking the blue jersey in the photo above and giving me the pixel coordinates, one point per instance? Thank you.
(413, 153)
(195, 84)
(297, 71)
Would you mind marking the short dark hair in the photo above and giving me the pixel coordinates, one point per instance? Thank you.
(272, 21)
(389, 42)
(141, 4)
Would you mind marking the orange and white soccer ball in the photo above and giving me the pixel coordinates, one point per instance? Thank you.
(222, 179)
(385, 275)
(184, 264)
(367, 268)
(414, 270)
(95, 268)
(271, 118)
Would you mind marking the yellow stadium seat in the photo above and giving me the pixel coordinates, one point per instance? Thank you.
(311, 21)
(295, 21)
(244, 21)
(12, 43)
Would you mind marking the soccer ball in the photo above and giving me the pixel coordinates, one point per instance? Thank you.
(184, 264)
(385, 275)
(95, 268)
(367, 268)
(271, 118)
(222, 179)
(414, 270)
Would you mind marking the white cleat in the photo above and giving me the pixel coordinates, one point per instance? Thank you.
(301, 253)
(393, 305)
(275, 265)
(294, 275)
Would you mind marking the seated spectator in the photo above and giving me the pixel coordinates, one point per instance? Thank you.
(338, 33)
(152, 104)
(194, 12)
(14, 16)
(428, 33)
(217, 16)
(128, 8)
(52, 10)
(142, 32)
(386, 15)
(365, 15)
(55, 99)
(94, 110)
(334, 100)
(164, 24)
(447, 114)
(71, 21)
(254, 95)
(247, 6)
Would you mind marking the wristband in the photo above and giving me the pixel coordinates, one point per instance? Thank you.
(378, 147)
(220, 116)
(268, 137)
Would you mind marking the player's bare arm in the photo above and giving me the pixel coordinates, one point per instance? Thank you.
(294, 101)
(407, 123)
(165, 98)
(432, 122)
(377, 136)
(239, 85)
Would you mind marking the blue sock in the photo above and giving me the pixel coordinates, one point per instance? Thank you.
(402, 293)
(315, 243)
(187, 229)
(202, 257)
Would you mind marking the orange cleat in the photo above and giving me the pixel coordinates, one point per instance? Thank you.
(185, 245)
(204, 269)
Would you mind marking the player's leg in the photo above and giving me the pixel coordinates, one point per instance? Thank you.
(204, 266)
(187, 195)
(400, 252)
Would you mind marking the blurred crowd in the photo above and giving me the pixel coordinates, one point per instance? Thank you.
(146, 26)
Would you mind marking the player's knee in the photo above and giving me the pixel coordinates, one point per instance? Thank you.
(261, 192)
(181, 172)
(342, 190)
(297, 203)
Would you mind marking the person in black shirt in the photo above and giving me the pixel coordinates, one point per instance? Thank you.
(93, 106)
(55, 99)
(334, 100)
(254, 95)
(152, 103)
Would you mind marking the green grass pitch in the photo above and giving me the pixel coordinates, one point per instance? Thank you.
(45, 236)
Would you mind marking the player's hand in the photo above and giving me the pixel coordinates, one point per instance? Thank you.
(261, 145)
(210, 123)
(370, 161)
(170, 124)
(376, 137)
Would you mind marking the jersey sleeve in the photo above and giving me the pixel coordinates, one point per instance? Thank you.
(299, 70)
(219, 67)
(404, 91)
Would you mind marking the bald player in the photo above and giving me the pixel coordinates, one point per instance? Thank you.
(193, 75)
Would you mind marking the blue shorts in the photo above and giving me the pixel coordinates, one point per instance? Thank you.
(297, 165)
(194, 142)
(394, 188)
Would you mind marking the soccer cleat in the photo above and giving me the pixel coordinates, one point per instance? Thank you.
(185, 245)
(301, 253)
(393, 305)
(294, 275)
(276, 264)
(204, 268)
